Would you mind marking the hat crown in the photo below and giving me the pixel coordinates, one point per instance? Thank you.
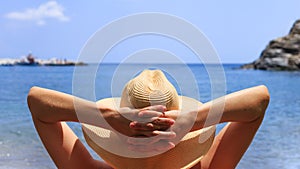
(150, 87)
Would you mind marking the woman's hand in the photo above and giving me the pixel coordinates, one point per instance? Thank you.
(164, 139)
(131, 123)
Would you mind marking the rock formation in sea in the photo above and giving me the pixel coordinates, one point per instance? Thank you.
(280, 54)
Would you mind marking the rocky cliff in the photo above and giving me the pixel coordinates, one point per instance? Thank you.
(280, 54)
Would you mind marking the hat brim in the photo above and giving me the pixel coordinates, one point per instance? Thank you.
(108, 145)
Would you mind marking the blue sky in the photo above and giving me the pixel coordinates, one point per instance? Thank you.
(239, 30)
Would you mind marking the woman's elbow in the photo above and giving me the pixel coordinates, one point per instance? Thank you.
(263, 100)
(31, 99)
(264, 97)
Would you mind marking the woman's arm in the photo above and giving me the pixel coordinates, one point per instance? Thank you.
(50, 109)
(243, 106)
(51, 106)
(244, 110)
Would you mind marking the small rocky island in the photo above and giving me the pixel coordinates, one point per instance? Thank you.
(30, 60)
(280, 54)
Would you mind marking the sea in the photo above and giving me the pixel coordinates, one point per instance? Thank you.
(275, 146)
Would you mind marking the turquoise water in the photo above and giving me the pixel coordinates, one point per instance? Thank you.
(276, 145)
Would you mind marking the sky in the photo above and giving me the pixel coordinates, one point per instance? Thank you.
(238, 30)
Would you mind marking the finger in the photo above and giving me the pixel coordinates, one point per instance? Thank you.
(162, 121)
(150, 118)
(162, 124)
(148, 126)
(141, 126)
(159, 108)
(153, 111)
(157, 124)
(150, 113)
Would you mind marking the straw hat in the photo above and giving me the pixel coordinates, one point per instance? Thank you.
(151, 87)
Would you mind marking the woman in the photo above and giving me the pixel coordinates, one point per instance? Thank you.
(244, 111)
